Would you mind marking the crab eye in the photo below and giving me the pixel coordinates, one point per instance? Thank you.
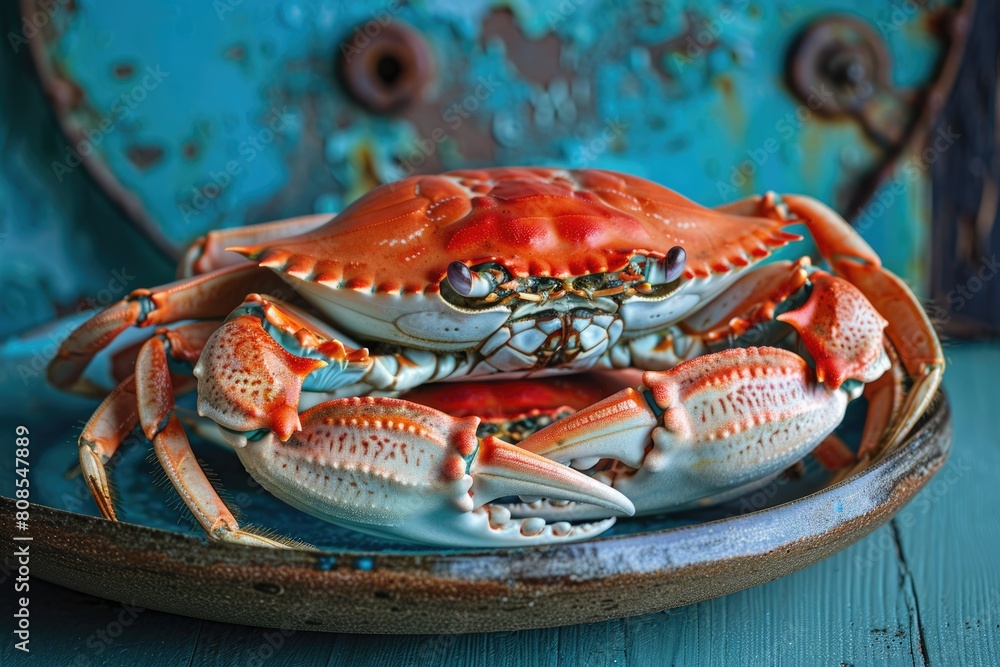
(467, 282)
(460, 278)
(675, 260)
(668, 269)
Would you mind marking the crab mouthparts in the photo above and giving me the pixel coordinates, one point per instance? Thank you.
(642, 275)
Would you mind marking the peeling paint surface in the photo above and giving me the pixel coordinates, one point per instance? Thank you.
(250, 119)
(240, 113)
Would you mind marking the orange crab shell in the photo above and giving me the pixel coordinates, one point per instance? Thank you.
(508, 400)
(400, 237)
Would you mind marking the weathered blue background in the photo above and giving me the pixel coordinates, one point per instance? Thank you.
(197, 115)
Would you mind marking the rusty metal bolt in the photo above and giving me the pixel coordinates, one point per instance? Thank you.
(837, 65)
(386, 71)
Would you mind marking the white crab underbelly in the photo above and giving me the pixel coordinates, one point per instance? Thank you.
(562, 342)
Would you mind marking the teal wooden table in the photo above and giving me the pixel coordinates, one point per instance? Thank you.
(924, 589)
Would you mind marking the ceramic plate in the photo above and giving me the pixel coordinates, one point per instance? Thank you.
(362, 584)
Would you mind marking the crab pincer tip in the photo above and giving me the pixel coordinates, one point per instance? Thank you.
(285, 422)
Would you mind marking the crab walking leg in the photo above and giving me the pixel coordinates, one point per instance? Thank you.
(885, 399)
(118, 414)
(103, 435)
(110, 424)
(393, 374)
(156, 415)
(724, 420)
(212, 251)
(401, 470)
(207, 296)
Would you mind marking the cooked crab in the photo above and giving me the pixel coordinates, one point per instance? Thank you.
(510, 273)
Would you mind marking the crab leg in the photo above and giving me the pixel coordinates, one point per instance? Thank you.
(885, 399)
(212, 251)
(155, 394)
(118, 414)
(110, 424)
(207, 296)
(401, 470)
(721, 421)
(748, 302)
(910, 330)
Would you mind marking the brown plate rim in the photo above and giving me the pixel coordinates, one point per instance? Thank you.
(491, 590)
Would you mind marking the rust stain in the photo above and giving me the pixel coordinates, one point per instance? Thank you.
(64, 91)
(726, 85)
(123, 70)
(537, 60)
(236, 52)
(144, 157)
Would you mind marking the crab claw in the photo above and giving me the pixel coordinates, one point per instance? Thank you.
(842, 331)
(404, 471)
(720, 422)
(909, 331)
(247, 381)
